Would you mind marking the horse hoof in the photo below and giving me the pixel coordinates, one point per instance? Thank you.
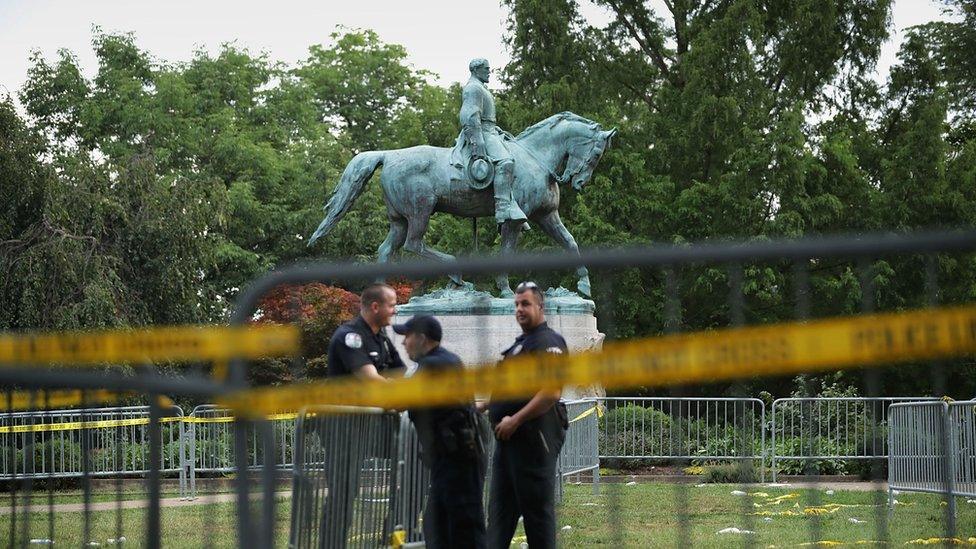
(584, 287)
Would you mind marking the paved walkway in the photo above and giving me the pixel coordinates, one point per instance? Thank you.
(133, 503)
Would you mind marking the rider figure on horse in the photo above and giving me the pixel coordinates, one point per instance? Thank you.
(485, 140)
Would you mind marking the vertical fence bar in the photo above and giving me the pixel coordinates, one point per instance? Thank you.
(153, 532)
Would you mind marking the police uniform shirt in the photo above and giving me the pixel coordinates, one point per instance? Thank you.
(540, 339)
(354, 345)
(429, 421)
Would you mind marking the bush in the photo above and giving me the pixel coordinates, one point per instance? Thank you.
(731, 473)
(637, 430)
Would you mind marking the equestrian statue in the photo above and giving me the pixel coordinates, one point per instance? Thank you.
(488, 172)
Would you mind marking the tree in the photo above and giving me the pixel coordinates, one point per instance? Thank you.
(84, 247)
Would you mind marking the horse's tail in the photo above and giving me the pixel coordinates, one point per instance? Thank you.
(350, 186)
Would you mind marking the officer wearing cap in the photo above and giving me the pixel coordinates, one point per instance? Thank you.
(450, 446)
(530, 435)
(362, 349)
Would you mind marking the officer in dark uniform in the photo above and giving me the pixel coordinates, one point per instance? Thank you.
(451, 448)
(530, 435)
(358, 348)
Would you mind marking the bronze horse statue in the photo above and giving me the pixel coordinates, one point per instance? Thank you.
(419, 181)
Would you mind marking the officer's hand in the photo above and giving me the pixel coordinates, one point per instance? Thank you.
(506, 428)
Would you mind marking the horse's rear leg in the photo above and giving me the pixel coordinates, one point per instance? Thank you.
(416, 227)
(394, 240)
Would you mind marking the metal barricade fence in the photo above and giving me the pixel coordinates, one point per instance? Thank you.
(666, 428)
(50, 444)
(932, 449)
(413, 477)
(823, 432)
(962, 419)
(580, 452)
(210, 441)
(345, 477)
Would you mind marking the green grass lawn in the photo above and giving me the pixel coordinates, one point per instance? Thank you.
(644, 515)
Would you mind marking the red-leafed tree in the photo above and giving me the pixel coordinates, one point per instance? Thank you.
(318, 309)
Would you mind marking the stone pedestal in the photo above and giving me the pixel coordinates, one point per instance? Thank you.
(478, 326)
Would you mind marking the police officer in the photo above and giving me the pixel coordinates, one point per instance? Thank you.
(358, 348)
(530, 435)
(451, 448)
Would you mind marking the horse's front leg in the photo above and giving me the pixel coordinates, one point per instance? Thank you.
(510, 233)
(553, 226)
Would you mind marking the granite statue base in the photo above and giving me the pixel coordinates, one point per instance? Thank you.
(478, 326)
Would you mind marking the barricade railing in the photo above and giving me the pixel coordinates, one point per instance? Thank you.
(822, 433)
(210, 441)
(413, 479)
(682, 428)
(345, 477)
(932, 449)
(115, 439)
(580, 452)
(962, 419)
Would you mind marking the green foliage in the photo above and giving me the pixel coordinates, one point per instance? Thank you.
(745, 120)
(634, 430)
(731, 473)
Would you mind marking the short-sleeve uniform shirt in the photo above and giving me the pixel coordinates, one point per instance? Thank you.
(354, 345)
(540, 339)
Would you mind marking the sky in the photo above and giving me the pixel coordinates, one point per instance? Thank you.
(440, 36)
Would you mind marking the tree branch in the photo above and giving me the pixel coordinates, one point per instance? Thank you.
(651, 50)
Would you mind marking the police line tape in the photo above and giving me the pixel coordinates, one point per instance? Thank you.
(129, 422)
(33, 400)
(596, 408)
(112, 423)
(702, 357)
(196, 343)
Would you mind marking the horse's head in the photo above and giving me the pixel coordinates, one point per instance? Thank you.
(571, 141)
(583, 153)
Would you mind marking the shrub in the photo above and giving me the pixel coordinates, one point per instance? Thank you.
(731, 473)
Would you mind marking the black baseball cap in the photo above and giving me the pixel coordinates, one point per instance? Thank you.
(421, 324)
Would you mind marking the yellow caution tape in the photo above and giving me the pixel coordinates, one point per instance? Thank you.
(398, 538)
(832, 543)
(230, 419)
(151, 345)
(780, 499)
(589, 411)
(110, 423)
(779, 349)
(36, 400)
(79, 425)
(941, 541)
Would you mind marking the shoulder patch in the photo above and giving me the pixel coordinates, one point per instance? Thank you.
(555, 350)
(353, 340)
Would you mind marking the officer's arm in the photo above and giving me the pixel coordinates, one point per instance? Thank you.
(397, 366)
(355, 354)
(368, 371)
(540, 404)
